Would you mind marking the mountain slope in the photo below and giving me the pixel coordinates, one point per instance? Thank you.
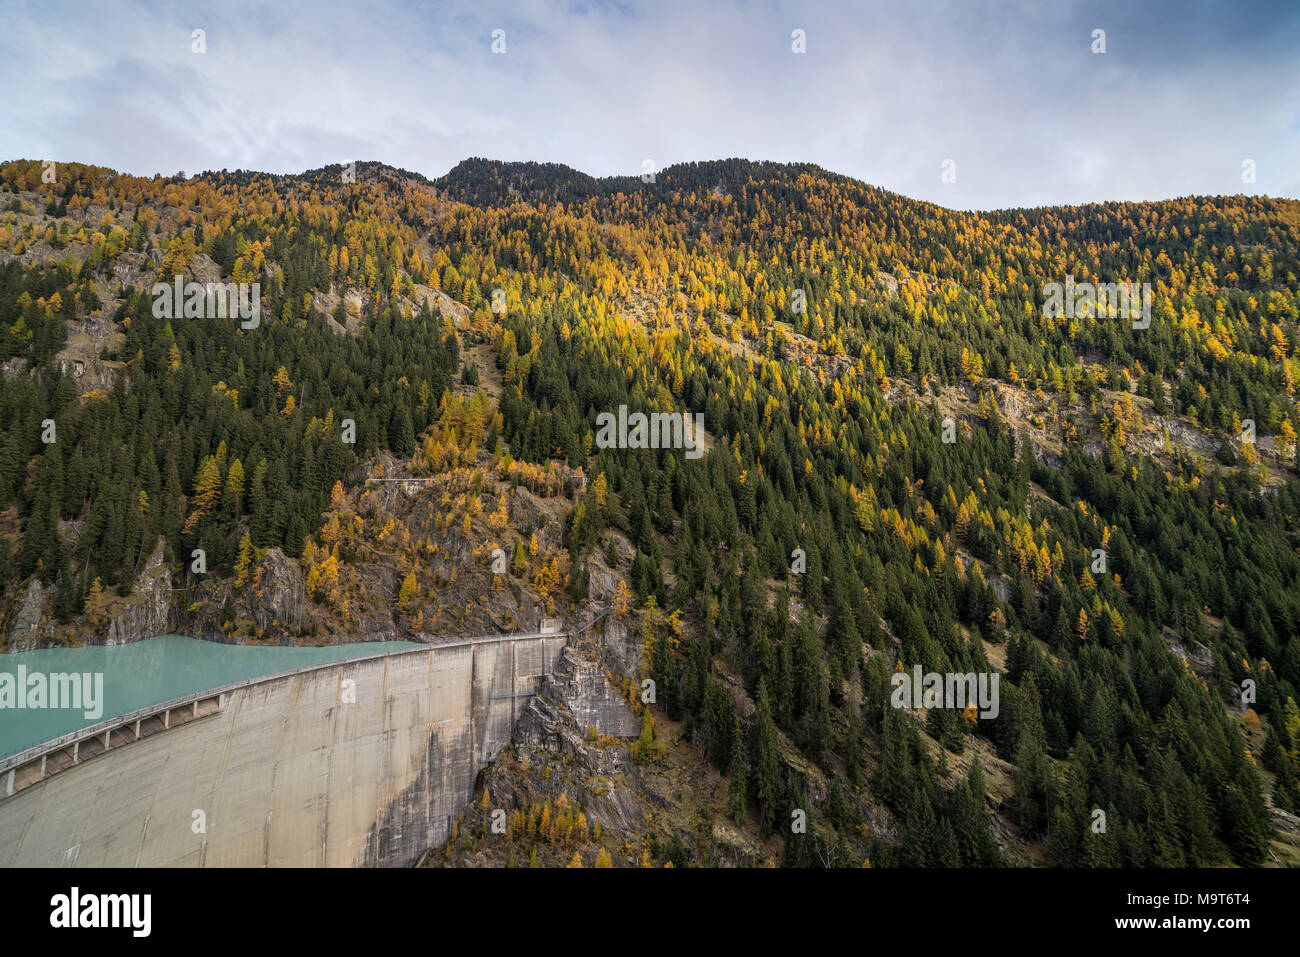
(911, 463)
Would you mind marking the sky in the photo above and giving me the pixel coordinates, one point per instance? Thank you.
(973, 105)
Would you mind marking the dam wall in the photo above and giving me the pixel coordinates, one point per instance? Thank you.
(358, 763)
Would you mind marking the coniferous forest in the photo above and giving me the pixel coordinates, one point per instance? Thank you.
(908, 463)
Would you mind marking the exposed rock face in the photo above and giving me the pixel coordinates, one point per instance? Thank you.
(1184, 436)
(463, 595)
(147, 611)
(619, 645)
(80, 358)
(1194, 654)
(278, 592)
(272, 600)
(601, 584)
(25, 628)
(527, 511)
(1047, 458)
(556, 759)
(555, 725)
(378, 627)
(589, 696)
(622, 647)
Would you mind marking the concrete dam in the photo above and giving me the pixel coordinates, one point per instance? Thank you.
(364, 762)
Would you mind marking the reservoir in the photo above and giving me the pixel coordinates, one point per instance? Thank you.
(149, 672)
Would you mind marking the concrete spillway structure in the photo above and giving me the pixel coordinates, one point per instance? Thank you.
(364, 762)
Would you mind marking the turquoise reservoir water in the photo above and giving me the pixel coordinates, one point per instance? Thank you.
(141, 674)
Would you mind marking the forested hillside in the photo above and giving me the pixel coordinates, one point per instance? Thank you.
(909, 463)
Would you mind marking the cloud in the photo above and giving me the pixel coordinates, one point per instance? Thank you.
(886, 92)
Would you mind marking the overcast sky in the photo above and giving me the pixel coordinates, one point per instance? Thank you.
(1012, 93)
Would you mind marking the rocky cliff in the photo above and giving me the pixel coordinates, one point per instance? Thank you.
(114, 619)
(146, 612)
(27, 618)
(271, 601)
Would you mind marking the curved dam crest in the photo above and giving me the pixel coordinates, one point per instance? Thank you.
(142, 673)
(362, 762)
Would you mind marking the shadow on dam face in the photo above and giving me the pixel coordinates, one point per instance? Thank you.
(356, 763)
